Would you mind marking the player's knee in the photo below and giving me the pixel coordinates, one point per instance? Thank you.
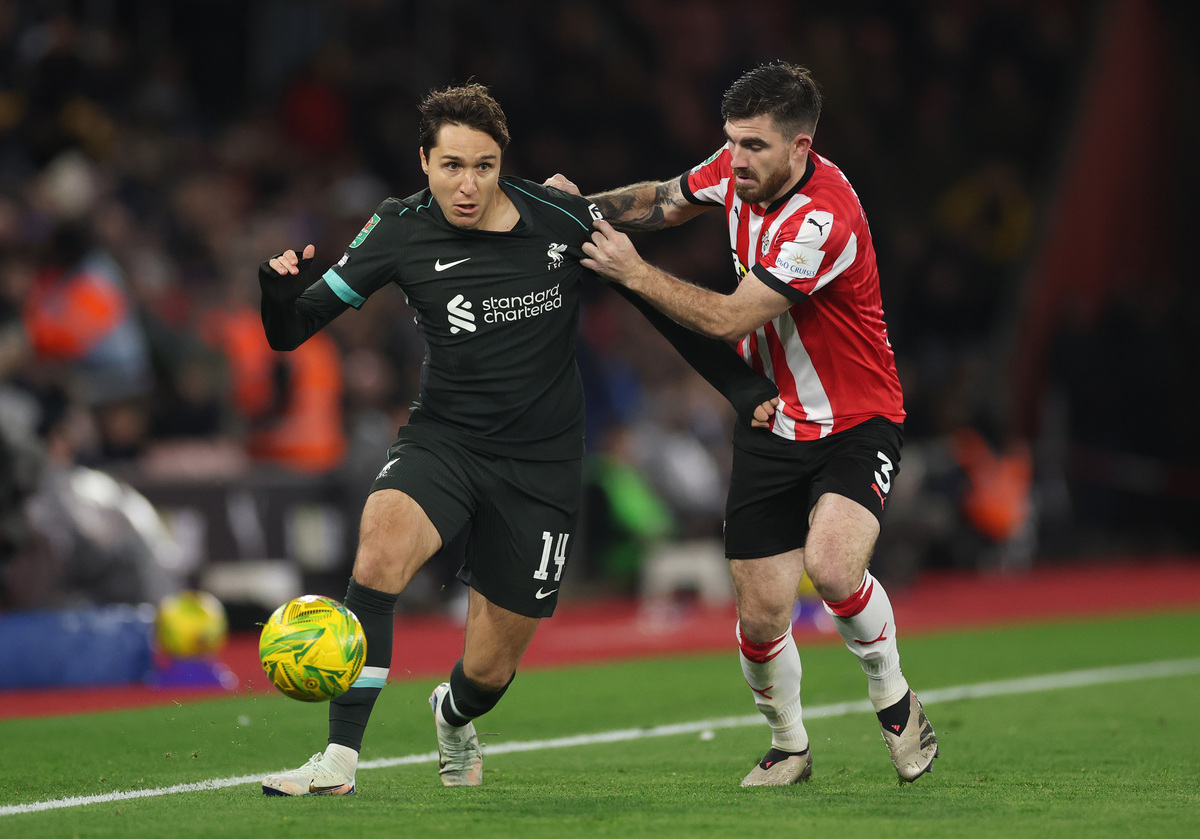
(760, 624)
(382, 567)
(833, 580)
(365, 576)
(395, 539)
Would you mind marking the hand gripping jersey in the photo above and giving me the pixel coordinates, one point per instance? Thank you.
(829, 353)
(498, 310)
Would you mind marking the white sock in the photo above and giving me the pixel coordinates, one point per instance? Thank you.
(343, 757)
(868, 626)
(773, 672)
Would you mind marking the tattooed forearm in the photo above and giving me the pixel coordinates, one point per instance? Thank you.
(626, 212)
(644, 206)
(650, 219)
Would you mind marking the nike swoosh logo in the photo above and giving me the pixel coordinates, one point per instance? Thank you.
(541, 595)
(438, 266)
(313, 788)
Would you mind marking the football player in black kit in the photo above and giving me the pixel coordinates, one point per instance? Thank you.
(491, 265)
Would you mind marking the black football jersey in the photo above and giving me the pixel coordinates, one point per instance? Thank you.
(499, 312)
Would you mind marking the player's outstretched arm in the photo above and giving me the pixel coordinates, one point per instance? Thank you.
(725, 316)
(650, 205)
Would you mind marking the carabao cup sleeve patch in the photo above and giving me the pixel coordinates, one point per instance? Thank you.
(362, 234)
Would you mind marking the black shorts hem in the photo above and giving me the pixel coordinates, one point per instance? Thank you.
(758, 554)
(544, 609)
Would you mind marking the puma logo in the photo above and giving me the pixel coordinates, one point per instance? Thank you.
(818, 225)
(882, 637)
(882, 499)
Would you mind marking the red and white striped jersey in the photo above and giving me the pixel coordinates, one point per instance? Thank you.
(829, 353)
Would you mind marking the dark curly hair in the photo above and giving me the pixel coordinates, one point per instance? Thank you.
(470, 105)
(785, 92)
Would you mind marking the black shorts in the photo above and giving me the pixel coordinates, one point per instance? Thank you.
(776, 482)
(523, 513)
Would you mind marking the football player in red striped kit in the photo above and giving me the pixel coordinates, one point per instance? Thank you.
(810, 494)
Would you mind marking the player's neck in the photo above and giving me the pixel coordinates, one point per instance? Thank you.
(502, 216)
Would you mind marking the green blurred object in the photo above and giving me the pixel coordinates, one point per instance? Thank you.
(637, 516)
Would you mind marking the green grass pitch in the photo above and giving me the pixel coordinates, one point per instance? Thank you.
(1114, 758)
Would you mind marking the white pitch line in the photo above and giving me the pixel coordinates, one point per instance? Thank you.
(1032, 684)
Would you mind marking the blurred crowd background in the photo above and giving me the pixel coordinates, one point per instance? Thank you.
(153, 153)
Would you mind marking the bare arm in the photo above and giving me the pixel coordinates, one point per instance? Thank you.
(646, 206)
(650, 205)
(727, 316)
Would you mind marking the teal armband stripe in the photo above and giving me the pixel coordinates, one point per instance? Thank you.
(348, 295)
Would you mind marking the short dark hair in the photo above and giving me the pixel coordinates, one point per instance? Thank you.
(470, 105)
(785, 92)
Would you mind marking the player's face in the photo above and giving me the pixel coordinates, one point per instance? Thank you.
(464, 171)
(765, 163)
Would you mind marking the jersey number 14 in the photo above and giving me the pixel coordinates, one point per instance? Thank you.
(556, 547)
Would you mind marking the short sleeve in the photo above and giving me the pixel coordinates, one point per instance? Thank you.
(708, 182)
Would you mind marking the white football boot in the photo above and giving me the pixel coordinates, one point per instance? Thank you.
(320, 776)
(779, 768)
(461, 760)
(914, 746)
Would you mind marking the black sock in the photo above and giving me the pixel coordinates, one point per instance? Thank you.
(348, 713)
(469, 701)
(895, 717)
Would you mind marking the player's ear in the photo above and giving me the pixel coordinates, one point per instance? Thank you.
(801, 143)
(424, 162)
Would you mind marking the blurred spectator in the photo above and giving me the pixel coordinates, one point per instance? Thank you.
(965, 502)
(997, 499)
(78, 313)
(291, 402)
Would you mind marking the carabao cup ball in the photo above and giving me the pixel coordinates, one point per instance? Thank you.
(191, 624)
(312, 648)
